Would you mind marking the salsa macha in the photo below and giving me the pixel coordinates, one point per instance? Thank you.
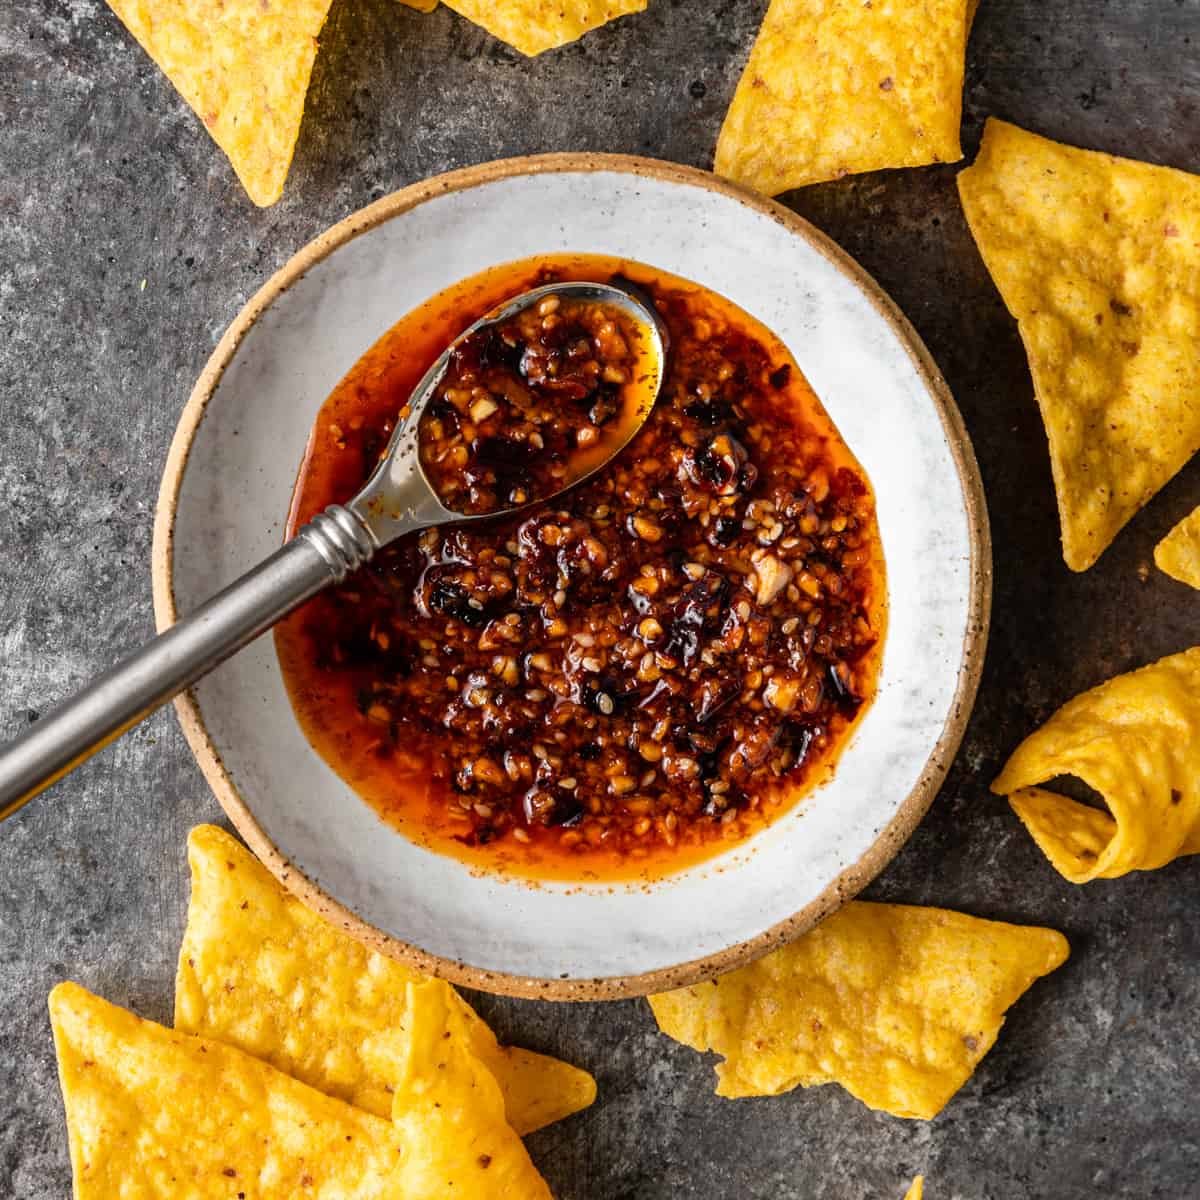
(621, 680)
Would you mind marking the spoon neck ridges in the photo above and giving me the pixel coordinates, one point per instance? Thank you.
(342, 538)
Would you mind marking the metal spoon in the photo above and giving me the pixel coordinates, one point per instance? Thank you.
(396, 499)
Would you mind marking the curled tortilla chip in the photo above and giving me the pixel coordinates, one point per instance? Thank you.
(1178, 554)
(917, 1190)
(451, 1113)
(837, 87)
(261, 972)
(1136, 741)
(156, 1113)
(896, 1003)
(1098, 258)
(243, 66)
(532, 26)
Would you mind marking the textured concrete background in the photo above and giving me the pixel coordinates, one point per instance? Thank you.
(106, 181)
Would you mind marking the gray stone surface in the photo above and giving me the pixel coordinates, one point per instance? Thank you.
(126, 245)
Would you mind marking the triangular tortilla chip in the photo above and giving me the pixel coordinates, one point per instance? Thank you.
(450, 1112)
(917, 1190)
(1098, 258)
(425, 6)
(837, 87)
(243, 66)
(1178, 554)
(896, 1003)
(261, 972)
(1136, 741)
(532, 26)
(152, 1112)
(155, 1113)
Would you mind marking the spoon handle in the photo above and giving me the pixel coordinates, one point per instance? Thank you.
(325, 551)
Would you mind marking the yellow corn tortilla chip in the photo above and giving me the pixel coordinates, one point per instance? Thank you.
(837, 87)
(1178, 554)
(425, 6)
(917, 1190)
(243, 66)
(261, 972)
(450, 1110)
(152, 1112)
(156, 1113)
(1098, 258)
(896, 1003)
(532, 26)
(1136, 741)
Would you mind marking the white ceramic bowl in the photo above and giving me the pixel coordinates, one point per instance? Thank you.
(225, 495)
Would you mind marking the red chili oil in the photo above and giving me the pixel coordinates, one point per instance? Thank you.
(626, 680)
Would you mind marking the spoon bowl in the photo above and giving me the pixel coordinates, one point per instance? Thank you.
(398, 497)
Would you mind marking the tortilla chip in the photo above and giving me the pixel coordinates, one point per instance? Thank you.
(837, 87)
(450, 1111)
(1136, 741)
(532, 26)
(897, 1004)
(917, 1190)
(261, 972)
(155, 1113)
(425, 6)
(1098, 258)
(1178, 554)
(243, 66)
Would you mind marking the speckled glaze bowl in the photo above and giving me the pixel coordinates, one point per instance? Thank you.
(225, 496)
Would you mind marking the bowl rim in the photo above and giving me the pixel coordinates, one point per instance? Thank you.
(906, 818)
